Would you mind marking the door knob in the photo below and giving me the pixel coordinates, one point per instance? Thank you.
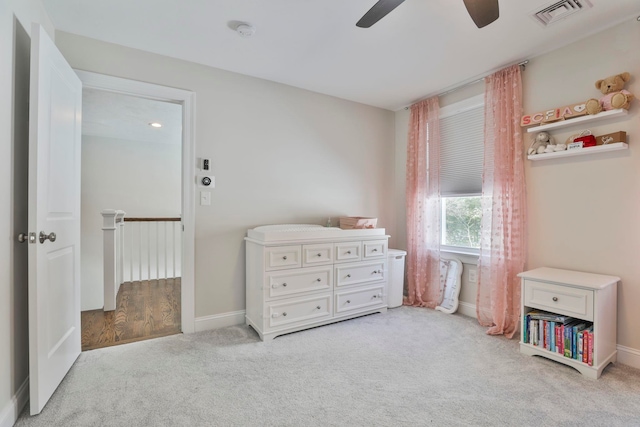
(23, 237)
(44, 236)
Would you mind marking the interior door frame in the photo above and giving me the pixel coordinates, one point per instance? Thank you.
(187, 99)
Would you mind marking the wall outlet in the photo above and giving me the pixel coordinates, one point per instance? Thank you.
(473, 275)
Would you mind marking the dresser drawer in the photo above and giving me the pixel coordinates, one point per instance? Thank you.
(282, 257)
(574, 302)
(291, 282)
(348, 251)
(299, 310)
(358, 299)
(374, 249)
(317, 254)
(359, 273)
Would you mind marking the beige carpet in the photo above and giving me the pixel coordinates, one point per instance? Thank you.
(408, 367)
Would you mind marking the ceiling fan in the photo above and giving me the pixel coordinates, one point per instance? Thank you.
(483, 12)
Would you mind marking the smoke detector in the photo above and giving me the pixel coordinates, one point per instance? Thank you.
(246, 30)
(558, 10)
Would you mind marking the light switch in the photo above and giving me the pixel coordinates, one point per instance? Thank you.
(205, 198)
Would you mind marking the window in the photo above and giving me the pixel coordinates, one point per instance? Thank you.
(461, 222)
(461, 158)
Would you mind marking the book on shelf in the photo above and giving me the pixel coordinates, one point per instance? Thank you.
(564, 335)
(548, 316)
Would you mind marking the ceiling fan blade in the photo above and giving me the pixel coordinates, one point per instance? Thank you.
(483, 12)
(377, 12)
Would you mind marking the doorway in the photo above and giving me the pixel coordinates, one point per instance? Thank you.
(155, 252)
(131, 172)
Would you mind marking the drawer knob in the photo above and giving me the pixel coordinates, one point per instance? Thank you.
(284, 314)
(318, 280)
(348, 252)
(284, 257)
(374, 250)
(375, 296)
(348, 301)
(318, 308)
(375, 272)
(284, 284)
(319, 255)
(555, 298)
(348, 275)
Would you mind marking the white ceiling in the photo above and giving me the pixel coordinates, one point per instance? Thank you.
(124, 117)
(421, 48)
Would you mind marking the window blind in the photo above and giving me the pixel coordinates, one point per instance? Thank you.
(461, 152)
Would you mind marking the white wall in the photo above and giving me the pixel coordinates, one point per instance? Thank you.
(279, 155)
(141, 178)
(583, 211)
(15, 25)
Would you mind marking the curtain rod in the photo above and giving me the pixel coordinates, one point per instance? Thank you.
(522, 64)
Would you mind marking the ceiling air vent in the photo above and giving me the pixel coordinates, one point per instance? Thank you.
(554, 12)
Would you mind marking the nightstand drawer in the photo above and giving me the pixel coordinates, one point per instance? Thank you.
(574, 302)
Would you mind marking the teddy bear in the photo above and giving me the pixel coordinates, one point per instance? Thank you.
(543, 142)
(615, 96)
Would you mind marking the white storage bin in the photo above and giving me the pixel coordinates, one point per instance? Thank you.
(395, 277)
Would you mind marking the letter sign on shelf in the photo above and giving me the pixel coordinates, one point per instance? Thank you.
(562, 113)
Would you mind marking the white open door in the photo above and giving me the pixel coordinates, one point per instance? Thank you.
(54, 218)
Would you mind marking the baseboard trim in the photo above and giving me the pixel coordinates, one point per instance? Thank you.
(217, 321)
(11, 412)
(467, 309)
(629, 356)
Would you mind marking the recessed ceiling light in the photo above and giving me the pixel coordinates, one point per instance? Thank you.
(155, 125)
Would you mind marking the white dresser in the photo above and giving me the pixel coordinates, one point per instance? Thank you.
(301, 276)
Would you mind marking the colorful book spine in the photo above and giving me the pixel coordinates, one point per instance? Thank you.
(580, 345)
(541, 333)
(567, 342)
(590, 356)
(585, 346)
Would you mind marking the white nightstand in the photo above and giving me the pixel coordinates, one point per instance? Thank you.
(585, 296)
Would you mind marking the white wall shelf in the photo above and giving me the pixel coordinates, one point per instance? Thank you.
(583, 119)
(580, 151)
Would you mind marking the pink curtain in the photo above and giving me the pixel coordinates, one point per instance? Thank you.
(502, 242)
(423, 205)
